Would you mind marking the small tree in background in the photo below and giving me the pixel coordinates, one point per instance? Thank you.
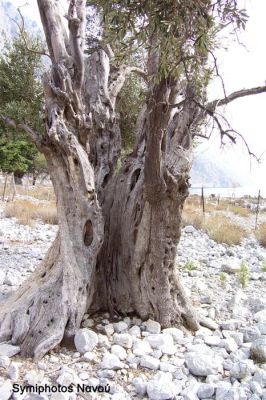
(21, 99)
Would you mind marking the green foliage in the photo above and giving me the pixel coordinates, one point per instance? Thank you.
(16, 155)
(39, 165)
(243, 274)
(129, 103)
(190, 266)
(183, 32)
(21, 100)
(263, 268)
(222, 279)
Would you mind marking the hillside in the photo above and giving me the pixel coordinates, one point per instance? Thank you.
(208, 173)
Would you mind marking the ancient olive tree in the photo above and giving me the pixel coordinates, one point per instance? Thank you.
(118, 226)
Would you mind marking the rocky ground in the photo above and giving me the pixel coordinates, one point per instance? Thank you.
(132, 359)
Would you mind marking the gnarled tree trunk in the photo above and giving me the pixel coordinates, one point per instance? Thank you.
(118, 232)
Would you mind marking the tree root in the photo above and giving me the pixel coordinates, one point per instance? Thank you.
(46, 307)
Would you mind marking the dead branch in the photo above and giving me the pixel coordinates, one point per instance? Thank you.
(22, 33)
(233, 96)
(230, 133)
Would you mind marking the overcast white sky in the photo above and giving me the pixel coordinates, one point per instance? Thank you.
(241, 68)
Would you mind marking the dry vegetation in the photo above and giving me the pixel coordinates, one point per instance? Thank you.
(261, 234)
(222, 230)
(38, 192)
(26, 212)
(217, 225)
(238, 210)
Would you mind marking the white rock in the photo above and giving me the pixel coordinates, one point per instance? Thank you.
(255, 388)
(206, 390)
(212, 340)
(167, 367)
(13, 371)
(109, 329)
(85, 340)
(103, 341)
(88, 356)
(177, 334)
(119, 351)
(4, 361)
(203, 364)
(84, 376)
(123, 339)
(6, 390)
(161, 387)
(135, 331)
(231, 324)
(157, 354)
(8, 350)
(149, 362)
(162, 342)
(237, 336)
(67, 377)
(242, 369)
(229, 344)
(140, 385)
(260, 316)
(141, 347)
(2, 276)
(88, 323)
(189, 229)
(231, 266)
(262, 328)
(120, 326)
(260, 377)
(42, 366)
(224, 391)
(111, 361)
(152, 326)
(33, 377)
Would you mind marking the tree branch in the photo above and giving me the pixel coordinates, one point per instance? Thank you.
(76, 25)
(233, 96)
(230, 133)
(22, 33)
(34, 136)
(118, 83)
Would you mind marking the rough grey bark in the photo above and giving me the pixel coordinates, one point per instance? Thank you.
(136, 266)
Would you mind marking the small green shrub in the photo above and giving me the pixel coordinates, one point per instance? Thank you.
(263, 268)
(223, 279)
(190, 266)
(243, 274)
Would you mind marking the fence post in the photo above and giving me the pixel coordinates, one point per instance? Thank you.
(202, 201)
(257, 211)
(10, 187)
(14, 187)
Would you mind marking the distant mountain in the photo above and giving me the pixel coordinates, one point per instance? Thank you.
(206, 172)
(8, 28)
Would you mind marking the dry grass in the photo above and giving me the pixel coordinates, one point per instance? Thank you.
(26, 212)
(261, 234)
(38, 192)
(223, 231)
(238, 210)
(192, 216)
